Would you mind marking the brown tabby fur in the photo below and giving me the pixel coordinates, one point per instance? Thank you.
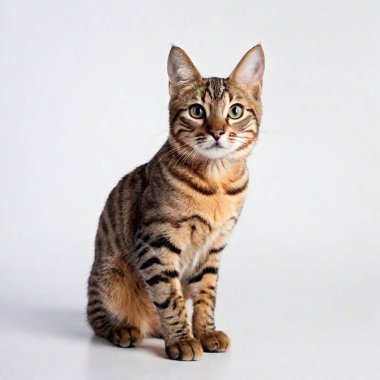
(165, 224)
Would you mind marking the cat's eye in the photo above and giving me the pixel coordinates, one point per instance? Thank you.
(236, 111)
(197, 111)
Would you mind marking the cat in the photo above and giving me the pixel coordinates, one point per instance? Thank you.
(165, 224)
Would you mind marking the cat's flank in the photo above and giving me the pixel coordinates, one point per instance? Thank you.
(165, 224)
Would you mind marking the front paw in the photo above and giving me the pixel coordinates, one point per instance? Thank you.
(216, 341)
(186, 349)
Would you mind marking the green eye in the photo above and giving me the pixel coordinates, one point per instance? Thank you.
(197, 111)
(236, 111)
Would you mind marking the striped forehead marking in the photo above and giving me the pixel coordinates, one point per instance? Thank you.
(215, 87)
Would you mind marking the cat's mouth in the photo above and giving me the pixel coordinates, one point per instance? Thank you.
(216, 145)
(215, 149)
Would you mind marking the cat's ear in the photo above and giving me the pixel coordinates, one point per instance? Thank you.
(181, 70)
(249, 72)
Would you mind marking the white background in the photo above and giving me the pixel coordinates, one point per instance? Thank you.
(83, 100)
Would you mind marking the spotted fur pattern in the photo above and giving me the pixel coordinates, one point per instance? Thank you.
(165, 224)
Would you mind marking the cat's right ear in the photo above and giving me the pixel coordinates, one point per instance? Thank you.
(181, 70)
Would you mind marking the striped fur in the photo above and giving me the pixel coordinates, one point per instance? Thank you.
(165, 224)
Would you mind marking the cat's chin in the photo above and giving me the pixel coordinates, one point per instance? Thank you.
(215, 152)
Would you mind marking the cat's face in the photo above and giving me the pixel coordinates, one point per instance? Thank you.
(214, 117)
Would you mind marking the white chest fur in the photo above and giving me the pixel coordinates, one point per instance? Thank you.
(194, 255)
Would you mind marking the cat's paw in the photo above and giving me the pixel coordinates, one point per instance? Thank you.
(186, 349)
(216, 341)
(125, 336)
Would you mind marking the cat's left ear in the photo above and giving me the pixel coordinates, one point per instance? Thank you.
(181, 70)
(249, 72)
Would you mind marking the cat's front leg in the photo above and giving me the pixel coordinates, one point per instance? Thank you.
(157, 260)
(203, 292)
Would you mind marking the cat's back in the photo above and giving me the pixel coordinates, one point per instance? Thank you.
(119, 219)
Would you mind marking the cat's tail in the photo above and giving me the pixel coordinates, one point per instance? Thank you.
(98, 316)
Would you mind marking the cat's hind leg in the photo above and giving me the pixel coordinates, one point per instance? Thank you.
(119, 308)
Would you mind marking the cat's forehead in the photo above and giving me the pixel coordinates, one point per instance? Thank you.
(215, 88)
(213, 91)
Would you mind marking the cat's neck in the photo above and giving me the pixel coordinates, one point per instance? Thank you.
(222, 170)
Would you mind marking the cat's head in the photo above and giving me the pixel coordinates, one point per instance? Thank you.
(215, 117)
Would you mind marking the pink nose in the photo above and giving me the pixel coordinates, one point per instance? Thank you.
(216, 133)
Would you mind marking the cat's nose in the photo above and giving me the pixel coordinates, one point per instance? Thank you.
(216, 133)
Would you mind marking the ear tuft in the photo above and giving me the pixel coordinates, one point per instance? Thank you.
(250, 70)
(181, 70)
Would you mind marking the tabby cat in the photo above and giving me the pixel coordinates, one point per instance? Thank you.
(165, 224)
